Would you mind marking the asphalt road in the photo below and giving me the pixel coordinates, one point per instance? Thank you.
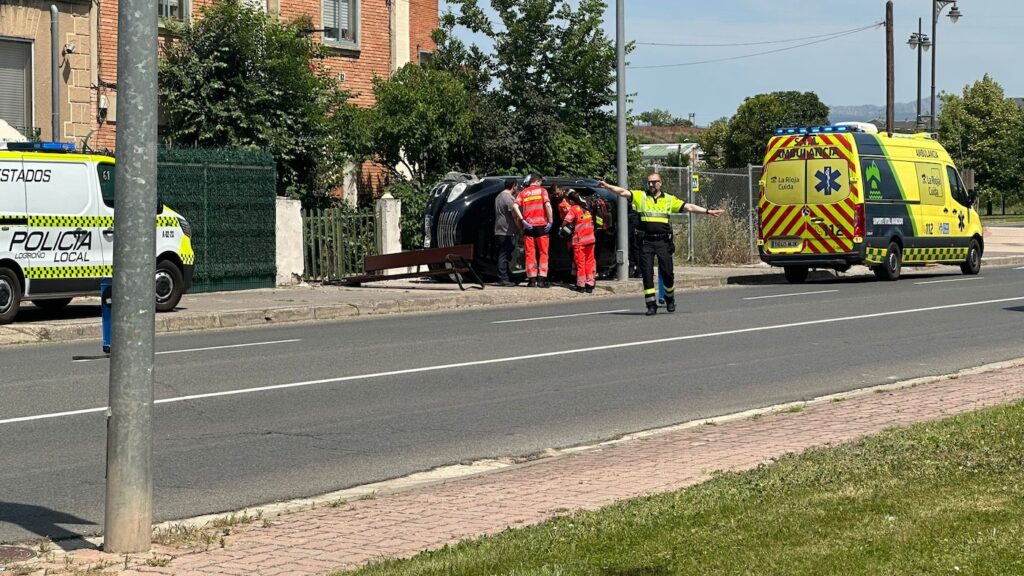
(252, 416)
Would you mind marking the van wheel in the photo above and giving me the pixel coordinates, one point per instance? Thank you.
(52, 305)
(973, 263)
(796, 274)
(168, 286)
(893, 265)
(10, 295)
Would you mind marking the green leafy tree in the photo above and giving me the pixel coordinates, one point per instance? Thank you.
(712, 142)
(235, 77)
(984, 130)
(659, 117)
(757, 118)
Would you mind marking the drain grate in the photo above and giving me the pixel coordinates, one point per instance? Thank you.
(15, 554)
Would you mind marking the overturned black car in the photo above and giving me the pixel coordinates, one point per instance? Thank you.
(461, 211)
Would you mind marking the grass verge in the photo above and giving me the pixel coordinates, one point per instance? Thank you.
(944, 497)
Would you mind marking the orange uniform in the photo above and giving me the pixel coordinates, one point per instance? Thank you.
(531, 203)
(583, 241)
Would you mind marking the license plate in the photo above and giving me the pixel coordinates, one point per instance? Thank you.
(785, 243)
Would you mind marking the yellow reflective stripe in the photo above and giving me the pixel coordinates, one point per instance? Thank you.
(649, 291)
(651, 218)
(70, 221)
(188, 257)
(52, 272)
(670, 289)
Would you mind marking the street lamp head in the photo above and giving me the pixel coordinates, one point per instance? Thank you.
(954, 14)
(914, 41)
(926, 42)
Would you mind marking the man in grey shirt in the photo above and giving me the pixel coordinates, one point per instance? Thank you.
(505, 230)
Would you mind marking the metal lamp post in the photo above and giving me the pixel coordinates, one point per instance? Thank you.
(920, 42)
(954, 14)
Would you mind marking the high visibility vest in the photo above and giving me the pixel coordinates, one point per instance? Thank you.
(531, 202)
(583, 234)
(654, 213)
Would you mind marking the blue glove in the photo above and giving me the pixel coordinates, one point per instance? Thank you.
(547, 227)
(526, 226)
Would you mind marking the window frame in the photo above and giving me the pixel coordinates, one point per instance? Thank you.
(956, 184)
(184, 7)
(355, 20)
(30, 82)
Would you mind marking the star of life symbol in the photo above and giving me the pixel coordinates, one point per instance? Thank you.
(827, 180)
(961, 223)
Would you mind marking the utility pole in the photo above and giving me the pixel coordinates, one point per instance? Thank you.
(55, 73)
(129, 504)
(621, 236)
(890, 71)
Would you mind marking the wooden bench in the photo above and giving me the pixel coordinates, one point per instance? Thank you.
(456, 260)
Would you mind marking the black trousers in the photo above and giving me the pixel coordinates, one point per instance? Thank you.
(506, 247)
(661, 249)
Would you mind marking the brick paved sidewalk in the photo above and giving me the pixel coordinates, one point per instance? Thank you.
(322, 539)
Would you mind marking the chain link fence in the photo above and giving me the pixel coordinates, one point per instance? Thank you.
(229, 199)
(730, 239)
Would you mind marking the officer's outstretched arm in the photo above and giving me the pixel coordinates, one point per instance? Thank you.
(616, 189)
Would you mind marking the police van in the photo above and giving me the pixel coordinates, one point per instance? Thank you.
(57, 230)
(837, 196)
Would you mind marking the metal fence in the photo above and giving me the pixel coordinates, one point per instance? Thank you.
(335, 241)
(731, 239)
(228, 198)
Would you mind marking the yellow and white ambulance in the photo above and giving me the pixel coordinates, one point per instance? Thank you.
(837, 196)
(57, 230)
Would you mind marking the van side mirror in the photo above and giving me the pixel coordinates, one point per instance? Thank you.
(972, 197)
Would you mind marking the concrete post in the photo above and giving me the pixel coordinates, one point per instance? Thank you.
(288, 227)
(389, 224)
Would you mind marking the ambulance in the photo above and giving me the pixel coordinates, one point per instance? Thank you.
(837, 196)
(57, 230)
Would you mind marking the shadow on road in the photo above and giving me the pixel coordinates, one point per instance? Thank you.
(71, 312)
(45, 523)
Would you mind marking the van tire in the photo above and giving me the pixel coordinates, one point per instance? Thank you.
(169, 281)
(10, 295)
(52, 305)
(893, 265)
(972, 265)
(795, 274)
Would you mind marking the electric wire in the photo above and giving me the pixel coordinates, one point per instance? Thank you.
(761, 43)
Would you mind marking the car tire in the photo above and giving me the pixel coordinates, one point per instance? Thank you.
(796, 274)
(10, 295)
(169, 285)
(890, 269)
(972, 265)
(52, 305)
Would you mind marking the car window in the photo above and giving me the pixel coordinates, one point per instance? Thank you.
(956, 187)
(106, 177)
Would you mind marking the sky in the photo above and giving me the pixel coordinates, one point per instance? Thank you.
(844, 71)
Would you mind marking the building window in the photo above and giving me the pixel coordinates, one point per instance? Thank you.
(16, 85)
(425, 58)
(174, 9)
(341, 19)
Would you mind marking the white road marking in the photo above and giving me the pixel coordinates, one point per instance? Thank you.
(226, 346)
(561, 316)
(950, 280)
(510, 359)
(793, 294)
(1021, 268)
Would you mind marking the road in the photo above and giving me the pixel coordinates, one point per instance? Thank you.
(252, 416)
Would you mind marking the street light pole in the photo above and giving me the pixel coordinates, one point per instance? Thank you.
(920, 42)
(621, 237)
(954, 14)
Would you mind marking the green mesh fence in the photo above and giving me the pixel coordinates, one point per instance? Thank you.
(228, 197)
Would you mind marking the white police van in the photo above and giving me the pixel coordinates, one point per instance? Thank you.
(57, 230)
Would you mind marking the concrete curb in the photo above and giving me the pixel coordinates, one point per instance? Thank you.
(185, 322)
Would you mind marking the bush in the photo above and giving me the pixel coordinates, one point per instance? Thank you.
(414, 196)
(723, 240)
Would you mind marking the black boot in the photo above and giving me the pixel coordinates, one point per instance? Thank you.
(652, 309)
(670, 305)
(532, 283)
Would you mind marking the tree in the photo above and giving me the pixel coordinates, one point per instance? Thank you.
(757, 118)
(984, 130)
(544, 93)
(659, 117)
(712, 142)
(236, 77)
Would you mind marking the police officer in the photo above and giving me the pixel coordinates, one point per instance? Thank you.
(655, 232)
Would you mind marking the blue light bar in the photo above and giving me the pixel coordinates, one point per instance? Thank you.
(811, 130)
(41, 146)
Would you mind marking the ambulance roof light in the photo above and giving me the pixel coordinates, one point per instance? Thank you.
(40, 146)
(816, 130)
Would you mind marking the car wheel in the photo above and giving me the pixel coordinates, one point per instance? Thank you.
(796, 274)
(168, 286)
(893, 265)
(52, 305)
(10, 295)
(973, 263)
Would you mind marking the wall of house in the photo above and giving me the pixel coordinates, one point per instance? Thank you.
(30, 20)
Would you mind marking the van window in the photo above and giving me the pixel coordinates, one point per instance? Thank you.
(956, 187)
(932, 184)
(784, 182)
(106, 177)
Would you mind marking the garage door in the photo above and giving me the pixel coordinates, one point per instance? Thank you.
(16, 82)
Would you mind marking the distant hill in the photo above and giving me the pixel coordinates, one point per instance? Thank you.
(868, 112)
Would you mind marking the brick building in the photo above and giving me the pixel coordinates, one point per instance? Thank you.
(365, 38)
